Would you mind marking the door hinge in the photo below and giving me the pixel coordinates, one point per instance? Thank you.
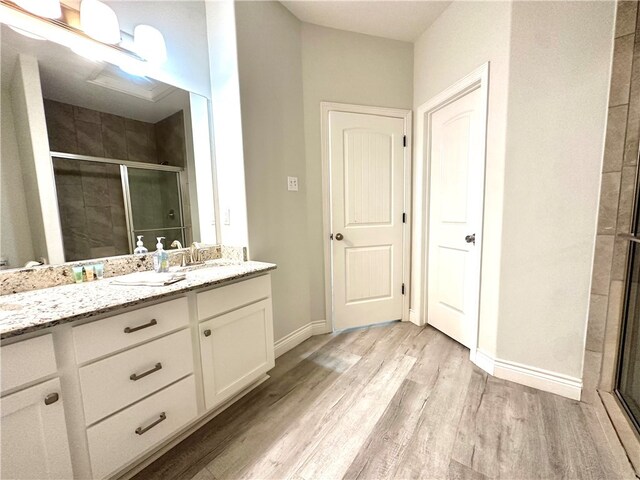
(403, 288)
(404, 218)
(331, 237)
(404, 141)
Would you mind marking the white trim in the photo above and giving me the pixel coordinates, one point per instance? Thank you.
(413, 317)
(478, 79)
(320, 327)
(484, 361)
(293, 339)
(539, 378)
(406, 115)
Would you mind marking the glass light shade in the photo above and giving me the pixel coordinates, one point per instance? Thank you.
(42, 8)
(149, 44)
(99, 21)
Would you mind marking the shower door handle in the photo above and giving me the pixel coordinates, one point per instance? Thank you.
(630, 237)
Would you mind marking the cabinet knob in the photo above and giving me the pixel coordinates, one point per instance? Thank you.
(207, 333)
(51, 398)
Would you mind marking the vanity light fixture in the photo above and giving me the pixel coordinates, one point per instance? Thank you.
(42, 8)
(99, 21)
(148, 43)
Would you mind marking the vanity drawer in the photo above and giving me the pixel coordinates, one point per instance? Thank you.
(96, 339)
(115, 382)
(224, 299)
(123, 437)
(27, 361)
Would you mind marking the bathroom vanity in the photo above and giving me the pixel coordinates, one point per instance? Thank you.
(99, 378)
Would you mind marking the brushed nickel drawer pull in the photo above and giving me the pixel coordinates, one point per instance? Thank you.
(140, 430)
(146, 325)
(51, 398)
(135, 376)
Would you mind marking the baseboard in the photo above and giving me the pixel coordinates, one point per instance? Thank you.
(553, 382)
(294, 339)
(320, 327)
(484, 361)
(413, 317)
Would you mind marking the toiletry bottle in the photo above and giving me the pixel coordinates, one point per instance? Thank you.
(140, 249)
(160, 258)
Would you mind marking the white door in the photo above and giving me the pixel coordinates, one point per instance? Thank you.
(456, 189)
(33, 434)
(366, 158)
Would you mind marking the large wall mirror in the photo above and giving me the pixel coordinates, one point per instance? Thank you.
(93, 157)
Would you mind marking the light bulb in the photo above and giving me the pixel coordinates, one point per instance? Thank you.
(149, 44)
(42, 8)
(99, 21)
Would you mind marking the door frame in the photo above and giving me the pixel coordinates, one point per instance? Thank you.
(406, 116)
(477, 79)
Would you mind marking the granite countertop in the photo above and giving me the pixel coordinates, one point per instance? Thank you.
(26, 312)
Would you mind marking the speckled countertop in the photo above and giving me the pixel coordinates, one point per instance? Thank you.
(25, 312)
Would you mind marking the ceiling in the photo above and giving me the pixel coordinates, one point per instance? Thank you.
(398, 20)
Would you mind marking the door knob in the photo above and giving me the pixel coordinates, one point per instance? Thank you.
(207, 333)
(339, 236)
(470, 238)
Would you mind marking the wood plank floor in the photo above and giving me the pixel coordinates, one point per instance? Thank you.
(395, 401)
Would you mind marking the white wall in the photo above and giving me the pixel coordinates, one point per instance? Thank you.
(227, 123)
(549, 70)
(558, 86)
(270, 67)
(37, 170)
(340, 66)
(465, 36)
(15, 234)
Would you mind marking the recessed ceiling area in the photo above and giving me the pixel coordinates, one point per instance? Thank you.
(397, 20)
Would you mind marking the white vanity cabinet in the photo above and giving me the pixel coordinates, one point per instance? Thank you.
(34, 442)
(134, 381)
(236, 340)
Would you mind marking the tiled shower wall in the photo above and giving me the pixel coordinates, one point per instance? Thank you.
(91, 208)
(89, 194)
(83, 131)
(619, 170)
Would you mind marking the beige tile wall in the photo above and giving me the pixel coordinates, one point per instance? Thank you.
(616, 204)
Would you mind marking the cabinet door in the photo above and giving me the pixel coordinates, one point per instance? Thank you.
(236, 349)
(34, 440)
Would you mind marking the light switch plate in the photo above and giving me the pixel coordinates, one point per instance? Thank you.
(292, 184)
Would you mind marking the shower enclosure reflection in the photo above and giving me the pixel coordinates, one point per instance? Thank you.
(93, 156)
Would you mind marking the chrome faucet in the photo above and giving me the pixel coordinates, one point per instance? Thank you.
(195, 253)
(183, 254)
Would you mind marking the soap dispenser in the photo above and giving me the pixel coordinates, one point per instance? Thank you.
(140, 249)
(160, 258)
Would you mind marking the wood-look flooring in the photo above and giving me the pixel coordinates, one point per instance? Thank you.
(395, 401)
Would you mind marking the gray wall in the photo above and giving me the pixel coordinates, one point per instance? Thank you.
(286, 69)
(270, 67)
(340, 66)
(558, 84)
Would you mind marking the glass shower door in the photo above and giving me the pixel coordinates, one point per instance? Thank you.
(156, 206)
(628, 374)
